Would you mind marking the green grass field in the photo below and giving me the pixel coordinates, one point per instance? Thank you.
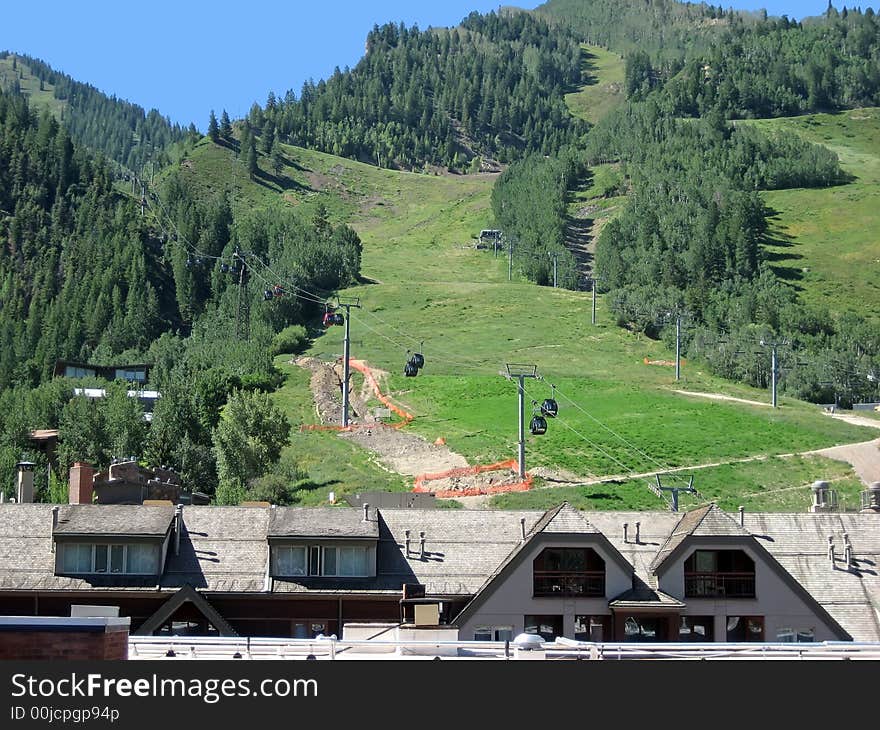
(604, 72)
(432, 287)
(826, 241)
(30, 86)
(772, 485)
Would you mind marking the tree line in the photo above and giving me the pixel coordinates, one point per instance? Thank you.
(87, 274)
(491, 88)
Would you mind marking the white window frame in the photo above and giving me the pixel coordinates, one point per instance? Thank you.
(322, 572)
(107, 546)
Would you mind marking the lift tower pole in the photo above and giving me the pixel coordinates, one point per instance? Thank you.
(346, 369)
(521, 372)
(774, 365)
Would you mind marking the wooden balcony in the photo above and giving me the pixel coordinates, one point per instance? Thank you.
(550, 583)
(719, 585)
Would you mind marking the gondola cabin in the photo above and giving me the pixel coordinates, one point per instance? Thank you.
(410, 370)
(549, 408)
(418, 360)
(538, 426)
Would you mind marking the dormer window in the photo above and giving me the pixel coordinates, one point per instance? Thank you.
(569, 572)
(719, 573)
(101, 559)
(322, 560)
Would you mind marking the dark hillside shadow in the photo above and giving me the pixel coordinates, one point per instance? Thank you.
(781, 261)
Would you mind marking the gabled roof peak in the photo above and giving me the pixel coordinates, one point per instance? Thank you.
(563, 519)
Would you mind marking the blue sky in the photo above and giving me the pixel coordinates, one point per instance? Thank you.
(188, 57)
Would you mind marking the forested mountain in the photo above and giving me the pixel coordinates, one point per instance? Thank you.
(122, 131)
(90, 274)
(662, 28)
(492, 88)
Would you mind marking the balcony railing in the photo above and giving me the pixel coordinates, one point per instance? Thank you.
(713, 585)
(566, 583)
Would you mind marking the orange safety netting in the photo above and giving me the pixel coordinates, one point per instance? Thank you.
(522, 486)
(363, 368)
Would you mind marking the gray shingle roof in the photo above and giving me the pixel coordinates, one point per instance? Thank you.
(708, 521)
(222, 549)
(225, 549)
(115, 519)
(463, 547)
(336, 522)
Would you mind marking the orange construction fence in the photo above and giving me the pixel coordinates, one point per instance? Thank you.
(522, 486)
(363, 368)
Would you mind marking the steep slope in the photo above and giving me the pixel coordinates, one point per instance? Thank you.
(123, 131)
(433, 292)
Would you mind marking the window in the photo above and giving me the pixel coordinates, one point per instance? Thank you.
(590, 628)
(131, 375)
(343, 562)
(290, 561)
(569, 572)
(785, 635)
(697, 628)
(133, 559)
(644, 628)
(73, 372)
(549, 627)
(806, 636)
(493, 633)
(719, 573)
(745, 628)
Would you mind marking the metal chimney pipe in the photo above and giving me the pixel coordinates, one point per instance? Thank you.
(422, 545)
(742, 516)
(178, 526)
(522, 528)
(55, 509)
(638, 530)
(406, 532)
(831, 549)
(625, 529)
(366, 512)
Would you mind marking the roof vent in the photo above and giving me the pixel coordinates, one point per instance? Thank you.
(848, 556)
(422, 545)
(625, 530)
(742, 516)
(638, 530)
(522, 528)
(871, 498)
(406, 533)
(178, 527)
(824, 498)
(366, 512)
(831, 549)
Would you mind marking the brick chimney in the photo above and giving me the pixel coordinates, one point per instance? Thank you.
(82, 481)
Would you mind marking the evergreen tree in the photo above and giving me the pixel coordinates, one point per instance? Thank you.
(225, 126)
(213, 129)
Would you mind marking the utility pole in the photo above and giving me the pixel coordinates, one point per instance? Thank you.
(243, 318)
(774, 365)
(521, 372)
(593, 279)
(678, 347)
(689, 489)
(346, 370)
(510, 260)
(555, 256)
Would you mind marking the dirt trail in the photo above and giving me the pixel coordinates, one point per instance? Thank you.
(404, 453)
(718, 396)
